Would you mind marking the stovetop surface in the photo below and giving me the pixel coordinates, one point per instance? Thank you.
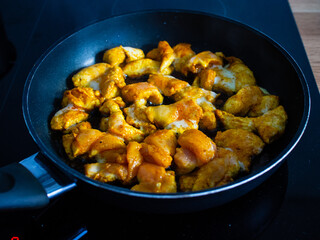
(286, 206)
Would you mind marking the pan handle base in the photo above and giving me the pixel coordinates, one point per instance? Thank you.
(20, 189)
(53, 183)
(31, 184)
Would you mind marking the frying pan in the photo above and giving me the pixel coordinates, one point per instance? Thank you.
(35, 180)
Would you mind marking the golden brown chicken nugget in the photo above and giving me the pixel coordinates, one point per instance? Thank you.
(168, 85)
(240, 103)
(203, 60)
(134, 159)
(243, 142)
(244, 76)
(199, 144)
(164, 139)
(230, 121)
(88, 74)
(164, 115)
(167, 55)
(183, 53)
(268, 102)
(114, 56)
(156, 179)
(67, 117)
(271, 125)
(144, 66)
(142, 90)
(84, 140)
(107, 141)
(85, 98)
(133, 53)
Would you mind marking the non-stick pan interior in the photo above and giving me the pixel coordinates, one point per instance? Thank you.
(272, 67)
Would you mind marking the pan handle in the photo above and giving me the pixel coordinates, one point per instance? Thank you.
(30, 184)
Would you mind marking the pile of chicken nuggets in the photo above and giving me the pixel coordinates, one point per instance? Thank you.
(149, 146)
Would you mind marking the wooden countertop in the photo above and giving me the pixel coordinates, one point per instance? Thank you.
(307, 16)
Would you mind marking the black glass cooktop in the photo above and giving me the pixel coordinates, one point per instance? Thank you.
(286, 206)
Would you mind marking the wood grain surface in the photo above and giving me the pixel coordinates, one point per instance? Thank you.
(307, 16)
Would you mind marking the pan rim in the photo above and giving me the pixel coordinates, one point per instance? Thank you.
(239, 182)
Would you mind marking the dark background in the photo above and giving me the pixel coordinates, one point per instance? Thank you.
(287, 206)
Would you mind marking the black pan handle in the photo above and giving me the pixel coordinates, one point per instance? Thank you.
(30, 184)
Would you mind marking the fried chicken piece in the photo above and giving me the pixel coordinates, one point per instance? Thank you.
(156, 155)
(203, 60)
(90, 170)
(142, 90)
(117, 125)
(183, 53)
(117, 164)
(243, 143)
(114, 56)
(154, 54)
(112, 105)
(144, 66)
(199, 144)
(167, 55)
(69, 136)
(117, 55)
(134, 159)
(85, 98)
(118, 155)
(67, 117)
(111, 82)
(244, 76)
(205, 100)
(109, 89)
(271, 125)
(224, 81)
(267, 103)
(240, 103)
(92, 73)
(168, 183)
(195, 93)
(106, 142)
(164, 139)
(228, 79)
(129, 156)
(179, 126)
(208, 120)
(205, 79)
(123, 165)
(133, 54)
(155, 179)
(106, 172)
(159, 147)
(75, 129)
(84, 140)
(230, 121)
(185, 161)
(114, 74)
(196, 150)
(181, 115)
(136, 116)
(221, 170)
(164, 54)
(75, 103)
(168, 85)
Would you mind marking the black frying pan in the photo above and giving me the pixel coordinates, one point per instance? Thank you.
(273, 67)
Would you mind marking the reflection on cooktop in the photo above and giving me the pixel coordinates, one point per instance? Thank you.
(78, 214)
